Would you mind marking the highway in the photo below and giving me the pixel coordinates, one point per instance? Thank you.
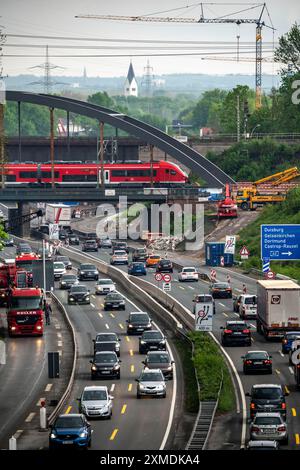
(184, 292)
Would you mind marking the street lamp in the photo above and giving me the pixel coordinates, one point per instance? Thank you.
(255, 127)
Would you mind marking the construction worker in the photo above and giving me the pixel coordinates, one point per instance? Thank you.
(244, 289)
(48, 311)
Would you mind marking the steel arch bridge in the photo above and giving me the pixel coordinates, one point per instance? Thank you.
(196, 162)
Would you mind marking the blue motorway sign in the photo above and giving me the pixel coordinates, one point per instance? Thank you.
(280, 242)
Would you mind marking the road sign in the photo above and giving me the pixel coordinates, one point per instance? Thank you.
(166, 286)
(213, 274)
(270, 275)
(53, 231)
(280, 242)
(244, 252)
(158, 277)
(229, 247)
(203, 316)
(167, 278)
(222, 261)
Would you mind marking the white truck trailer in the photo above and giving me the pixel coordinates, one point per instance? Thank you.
(58, 214)
(278, 307)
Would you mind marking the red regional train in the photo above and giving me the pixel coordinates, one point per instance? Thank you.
(75, 174)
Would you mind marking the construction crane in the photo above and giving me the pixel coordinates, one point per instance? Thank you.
(280, 177)
(202, 19)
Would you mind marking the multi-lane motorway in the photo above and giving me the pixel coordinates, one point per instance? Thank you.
(282, 373)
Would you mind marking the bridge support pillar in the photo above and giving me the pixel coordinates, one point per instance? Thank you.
(21, 226)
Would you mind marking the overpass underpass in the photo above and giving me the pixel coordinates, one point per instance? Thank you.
(197, 163)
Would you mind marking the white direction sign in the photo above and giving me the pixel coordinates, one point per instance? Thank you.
(53, 231)
(203, 316)
(230, 245)
(166, 286)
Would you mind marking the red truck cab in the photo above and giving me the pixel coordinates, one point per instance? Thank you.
(25, 312)
(24, 263)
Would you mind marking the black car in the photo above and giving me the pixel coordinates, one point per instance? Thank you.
(70, 430)
(160, 360)
(79, 294)
(114, 300)
(90, 245)
(105, 364)
(73, 240)
(120, 246)
(164, 266)
(140, 254)
(138, 322)
(257, 361)
(67, 281)
(23, 248)
(107, 342)
(88, 271)
(236, 332)
(65, 260)
(220, 290)
(266, 398)
(8, 242)
(62, 235)
(151, 341)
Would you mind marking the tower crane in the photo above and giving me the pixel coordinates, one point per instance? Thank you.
(202, 19)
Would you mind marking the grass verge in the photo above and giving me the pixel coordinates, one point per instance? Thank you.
(191, 402)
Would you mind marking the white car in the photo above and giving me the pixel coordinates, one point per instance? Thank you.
(59, 269)
(119, 257)
(104, 286)
(188, 274)
(248, 306)
(95, 402)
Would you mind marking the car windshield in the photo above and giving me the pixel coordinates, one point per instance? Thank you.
(165, 261)
(154, 257)
(90, 242)
(158, 358)
(105, 358)
(69, 422)
(93, 395)
(62, 258)
(221, 285)
(106, 337)
(139, 318)
(137, 265)
(257, 355)
(69, 277)
(78, 289)
(113, 297)
(104, 281)
(57, 265)
(292, 336)
(141, 251)
(267, 420)
(26, 303)
(120, 253)
(267, 393)
(151, 377)
(189, 270)
(203, 298)
(251, 300)
(105, 346)
(152, 335)
(237, 326)
(87, 266)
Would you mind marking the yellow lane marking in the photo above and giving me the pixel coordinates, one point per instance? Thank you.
(100, 315)
(129, 387)
(68, 410)
(123, 409)
(286, 389)
(131, 352)
(277, 371)
(225, 314)
(114, 433)
(297, 439)
(127, 339)
(102, 305)
(132, 368)
(112, 315)
(121, 326)
(294, 412)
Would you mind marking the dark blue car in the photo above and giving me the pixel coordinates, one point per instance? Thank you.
(287, 340)
(137, 269)
(70, 430)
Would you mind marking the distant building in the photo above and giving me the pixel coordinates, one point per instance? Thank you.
(206, 131)
(131, 87)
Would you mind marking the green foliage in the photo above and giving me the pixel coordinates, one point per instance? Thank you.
(287, 212)
(3, 236)
(288, 51)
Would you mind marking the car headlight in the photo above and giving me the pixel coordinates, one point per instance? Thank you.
(130, 325)
(94, 368)
(162, 341)
(143, 342)
(83, 434)
(141, 387)
(117, 347)
(117, 367)
(81, 272)
(71, 298)
(53, 435)
(169, 368)
(63, 282)
(87, 296)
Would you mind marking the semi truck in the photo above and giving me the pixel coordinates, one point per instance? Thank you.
(278, 307)
(58, 214)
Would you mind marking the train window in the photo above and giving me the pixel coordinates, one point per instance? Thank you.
(118, 173)
(173, 172)
(167, 171)
(140, 173)
(11, 178)
(28, 174)
(73, 178)
(47, 174)
(91, 178)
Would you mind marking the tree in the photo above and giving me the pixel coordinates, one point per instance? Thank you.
(288, 51)
(202, 112)
(228, 111)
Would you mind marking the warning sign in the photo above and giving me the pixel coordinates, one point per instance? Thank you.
(244, 252)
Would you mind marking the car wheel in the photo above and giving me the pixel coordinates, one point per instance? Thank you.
(245, 371)
(285, 441)
(123, 308)
(89, 443)
(138, 395)
(118, 376)
(270, 371)
(92, 377)
(164, 396)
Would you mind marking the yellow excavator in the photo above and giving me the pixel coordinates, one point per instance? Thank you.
(250, 198)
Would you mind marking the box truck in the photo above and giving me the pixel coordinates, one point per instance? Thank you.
(278, 307)
(58, 214)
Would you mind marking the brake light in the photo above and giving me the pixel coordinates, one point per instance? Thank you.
(252, 406)
(283, 406)
(267, 361)
(246, 331)
(248, 361)
(281, 429)
(256, 429)
(227, 331)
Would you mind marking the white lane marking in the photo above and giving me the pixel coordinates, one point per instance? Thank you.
(291, 370)
(225, 314)
(236, 314)
(112, 387)
(92, 305)
(100, 315)
(190, 287)
(18, 433)
(222, 305)
(39, 401)
(48, 387)
(252, 340)
(174, 390)
(57, 326)
(281, 353)
(59, 344)
(93, 296)
(58, 335)
(251, 324)
(60, 352)
(180, 287)
(29, 417)
(107, 326)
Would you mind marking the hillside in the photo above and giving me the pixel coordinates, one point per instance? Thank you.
(288, 212)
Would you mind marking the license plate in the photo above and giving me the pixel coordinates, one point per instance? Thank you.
(67, 442)
(237, 333)
(115, 305)
(152, 347)
(139, 329)
(105, 372)
(258, 362)
(94, 412)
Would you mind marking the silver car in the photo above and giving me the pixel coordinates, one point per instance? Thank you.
(95, 402)
(104, 286)
(267, 426)
(151, 382)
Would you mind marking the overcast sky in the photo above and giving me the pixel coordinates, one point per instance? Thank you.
(56, 17)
